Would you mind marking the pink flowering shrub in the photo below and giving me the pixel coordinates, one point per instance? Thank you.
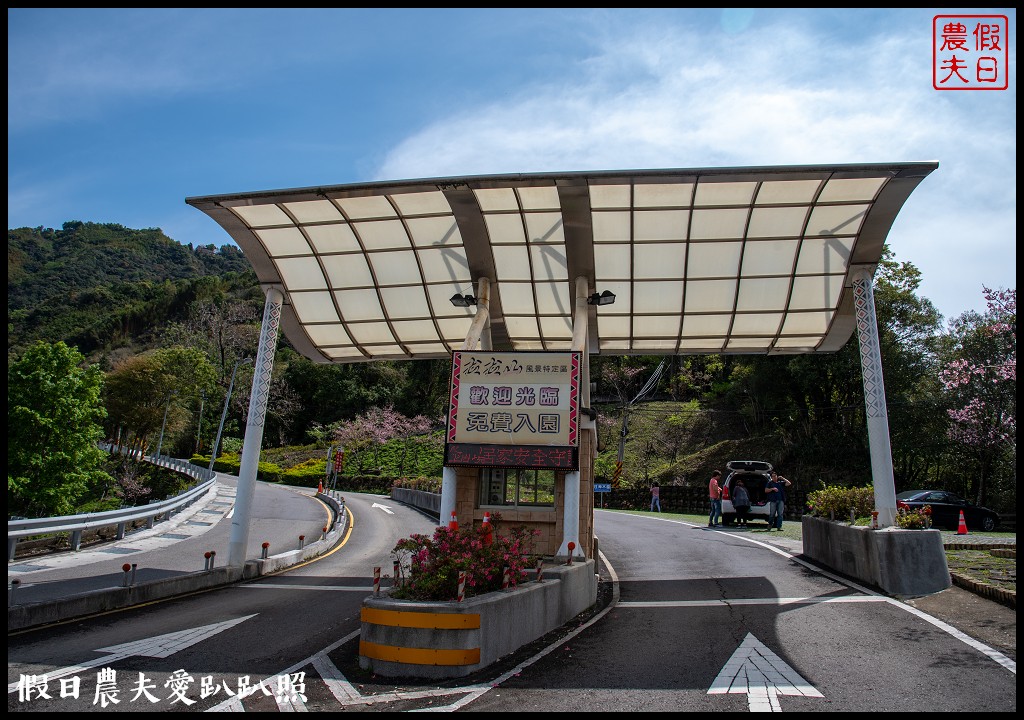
(429, 566)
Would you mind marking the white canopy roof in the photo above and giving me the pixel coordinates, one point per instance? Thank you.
(733, 260)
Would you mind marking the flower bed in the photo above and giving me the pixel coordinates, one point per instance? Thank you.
(430, 567)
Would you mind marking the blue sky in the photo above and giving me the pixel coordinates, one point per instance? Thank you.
(118, 115)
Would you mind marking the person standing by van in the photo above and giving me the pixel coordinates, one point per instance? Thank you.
(715, 493)
(775, 492)
(655, 497)
(741, 501)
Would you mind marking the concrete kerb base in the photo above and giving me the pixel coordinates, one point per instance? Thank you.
(20, 617)
(903, 563)
(402, 638)
(274, 563)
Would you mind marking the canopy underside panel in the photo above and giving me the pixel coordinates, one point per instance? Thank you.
(738, 260)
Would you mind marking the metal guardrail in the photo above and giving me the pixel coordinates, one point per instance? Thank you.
(77, 524)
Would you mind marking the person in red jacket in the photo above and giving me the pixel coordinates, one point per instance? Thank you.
(715, 493)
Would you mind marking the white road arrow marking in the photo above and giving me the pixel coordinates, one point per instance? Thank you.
(385, 508)
(160, 646)
(761, 674)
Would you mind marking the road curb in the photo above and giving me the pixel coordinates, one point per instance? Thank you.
(991, 592)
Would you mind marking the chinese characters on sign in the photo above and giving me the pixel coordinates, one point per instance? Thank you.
(288, 688)
(970, 52)
(513, 409)
(521, 456)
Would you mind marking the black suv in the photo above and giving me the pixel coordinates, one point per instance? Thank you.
(755, 475)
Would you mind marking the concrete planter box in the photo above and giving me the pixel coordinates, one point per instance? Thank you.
(906, 563)
(402, 638)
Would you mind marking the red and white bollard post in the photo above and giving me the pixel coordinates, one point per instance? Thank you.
(302, 541)
(540, 571)
(376, 581)
(125, 568)
(266, 548)
(571, 546)
(396, 568)
(504, 578)
(874, 519)
(462, 585)
(487, 529)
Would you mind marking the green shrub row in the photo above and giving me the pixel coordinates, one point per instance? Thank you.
(309, 473)
(426, 484)
(836, 502)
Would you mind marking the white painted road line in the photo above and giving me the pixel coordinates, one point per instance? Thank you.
(340, 588)
(752, 601)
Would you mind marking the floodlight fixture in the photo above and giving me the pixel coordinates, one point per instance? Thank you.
(462, 300)
(605, 298)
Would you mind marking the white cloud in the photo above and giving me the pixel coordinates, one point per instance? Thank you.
(777, 95)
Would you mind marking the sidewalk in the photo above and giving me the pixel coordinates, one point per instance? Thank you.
(193, 521)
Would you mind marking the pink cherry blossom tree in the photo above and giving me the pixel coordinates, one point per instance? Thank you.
(981, 382)
(377, 426)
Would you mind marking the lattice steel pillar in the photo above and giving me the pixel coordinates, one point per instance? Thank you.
(254, 428)
(874, 398)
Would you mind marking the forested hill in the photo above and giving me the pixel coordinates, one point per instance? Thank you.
(89, 283)
(43, 263)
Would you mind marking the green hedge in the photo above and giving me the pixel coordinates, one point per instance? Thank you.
(373, 469)
(309, 473)
(836, 502)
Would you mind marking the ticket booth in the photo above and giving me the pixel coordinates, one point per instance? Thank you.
(519, 448)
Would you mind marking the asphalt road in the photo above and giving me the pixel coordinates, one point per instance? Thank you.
(691, 619)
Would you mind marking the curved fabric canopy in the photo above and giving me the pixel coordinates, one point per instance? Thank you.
(733, 260)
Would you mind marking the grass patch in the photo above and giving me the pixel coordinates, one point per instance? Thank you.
(982, 566)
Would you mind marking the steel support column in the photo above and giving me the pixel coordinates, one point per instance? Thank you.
(254, 428)
(571, 509)
(479, 334)
(874, 398)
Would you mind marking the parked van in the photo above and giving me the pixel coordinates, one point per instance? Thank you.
(755, 475)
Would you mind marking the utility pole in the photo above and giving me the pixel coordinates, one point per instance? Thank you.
(223, 415)
(199, 430)
(164, 425)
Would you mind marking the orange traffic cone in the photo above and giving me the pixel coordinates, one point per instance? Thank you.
(320, 488)
(453, 524)
(962, 530)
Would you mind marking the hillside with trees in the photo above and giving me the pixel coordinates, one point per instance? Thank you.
(100, 286)
(172, 328)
